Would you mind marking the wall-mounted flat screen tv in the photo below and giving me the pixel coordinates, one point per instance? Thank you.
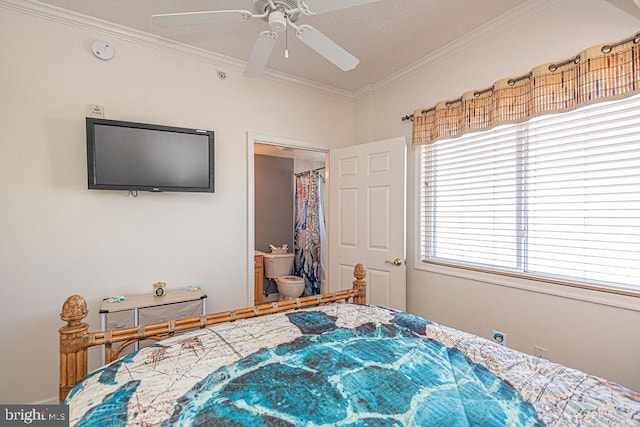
(145, 157)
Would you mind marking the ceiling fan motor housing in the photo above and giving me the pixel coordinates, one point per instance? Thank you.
(283, 7)
(277, 21)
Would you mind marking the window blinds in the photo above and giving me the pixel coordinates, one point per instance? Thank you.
(557, 196)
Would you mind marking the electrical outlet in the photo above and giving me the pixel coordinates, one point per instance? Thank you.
(499, 337)
(540, 352)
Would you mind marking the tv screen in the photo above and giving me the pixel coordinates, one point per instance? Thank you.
(145, 157)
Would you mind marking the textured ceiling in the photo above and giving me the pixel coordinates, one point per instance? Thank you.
(387, 36)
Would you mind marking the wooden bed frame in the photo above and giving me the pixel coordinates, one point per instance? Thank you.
(75, 337)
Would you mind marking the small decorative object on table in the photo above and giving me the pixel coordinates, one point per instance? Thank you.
(159, 289)
(117, 298)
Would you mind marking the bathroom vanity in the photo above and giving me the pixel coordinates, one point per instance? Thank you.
(258, 262)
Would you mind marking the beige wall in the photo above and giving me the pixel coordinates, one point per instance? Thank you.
(581, 329)
(58, 238)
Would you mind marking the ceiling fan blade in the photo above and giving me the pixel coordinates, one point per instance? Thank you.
(194, 18)
(261, 53)
(327, 48)
(322, 6)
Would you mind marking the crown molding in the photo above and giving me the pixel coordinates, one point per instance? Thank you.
(84, 22)
(364, 92)
(509, 18)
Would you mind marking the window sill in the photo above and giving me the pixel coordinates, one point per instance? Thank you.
(594, 296)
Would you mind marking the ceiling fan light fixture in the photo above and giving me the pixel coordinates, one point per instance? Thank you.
(277, 21)
(289, 7)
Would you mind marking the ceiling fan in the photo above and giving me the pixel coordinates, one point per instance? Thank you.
(278, 14)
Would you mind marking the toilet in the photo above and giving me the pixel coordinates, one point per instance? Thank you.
(280, 267)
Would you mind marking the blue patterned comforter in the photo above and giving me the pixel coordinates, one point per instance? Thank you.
(342, 365)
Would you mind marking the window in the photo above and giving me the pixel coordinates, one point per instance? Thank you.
(557, 197)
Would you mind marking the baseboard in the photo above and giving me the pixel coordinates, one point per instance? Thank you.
(51, 401)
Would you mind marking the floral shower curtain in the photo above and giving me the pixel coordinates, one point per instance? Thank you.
(309, 235)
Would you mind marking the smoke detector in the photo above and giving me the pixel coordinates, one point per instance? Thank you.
(102, 50)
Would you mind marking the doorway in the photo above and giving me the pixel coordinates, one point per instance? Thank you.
(295, 156)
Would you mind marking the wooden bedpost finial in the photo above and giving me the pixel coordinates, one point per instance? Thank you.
(359, 272)
(74, 310)
(73, 344)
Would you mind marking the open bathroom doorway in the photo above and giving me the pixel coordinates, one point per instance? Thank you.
(287, 205)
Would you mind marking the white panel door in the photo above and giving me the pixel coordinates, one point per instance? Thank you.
(367, 219)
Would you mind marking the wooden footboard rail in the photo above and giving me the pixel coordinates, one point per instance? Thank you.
(75, 337)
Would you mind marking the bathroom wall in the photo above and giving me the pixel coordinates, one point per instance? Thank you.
(303, 165)
(273, 204)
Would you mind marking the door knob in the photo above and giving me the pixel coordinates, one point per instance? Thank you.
(396, 261)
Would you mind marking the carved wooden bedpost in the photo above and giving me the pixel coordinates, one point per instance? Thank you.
(73, 348)
(359, 284)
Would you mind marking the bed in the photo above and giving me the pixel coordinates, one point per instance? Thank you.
(323, 360)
